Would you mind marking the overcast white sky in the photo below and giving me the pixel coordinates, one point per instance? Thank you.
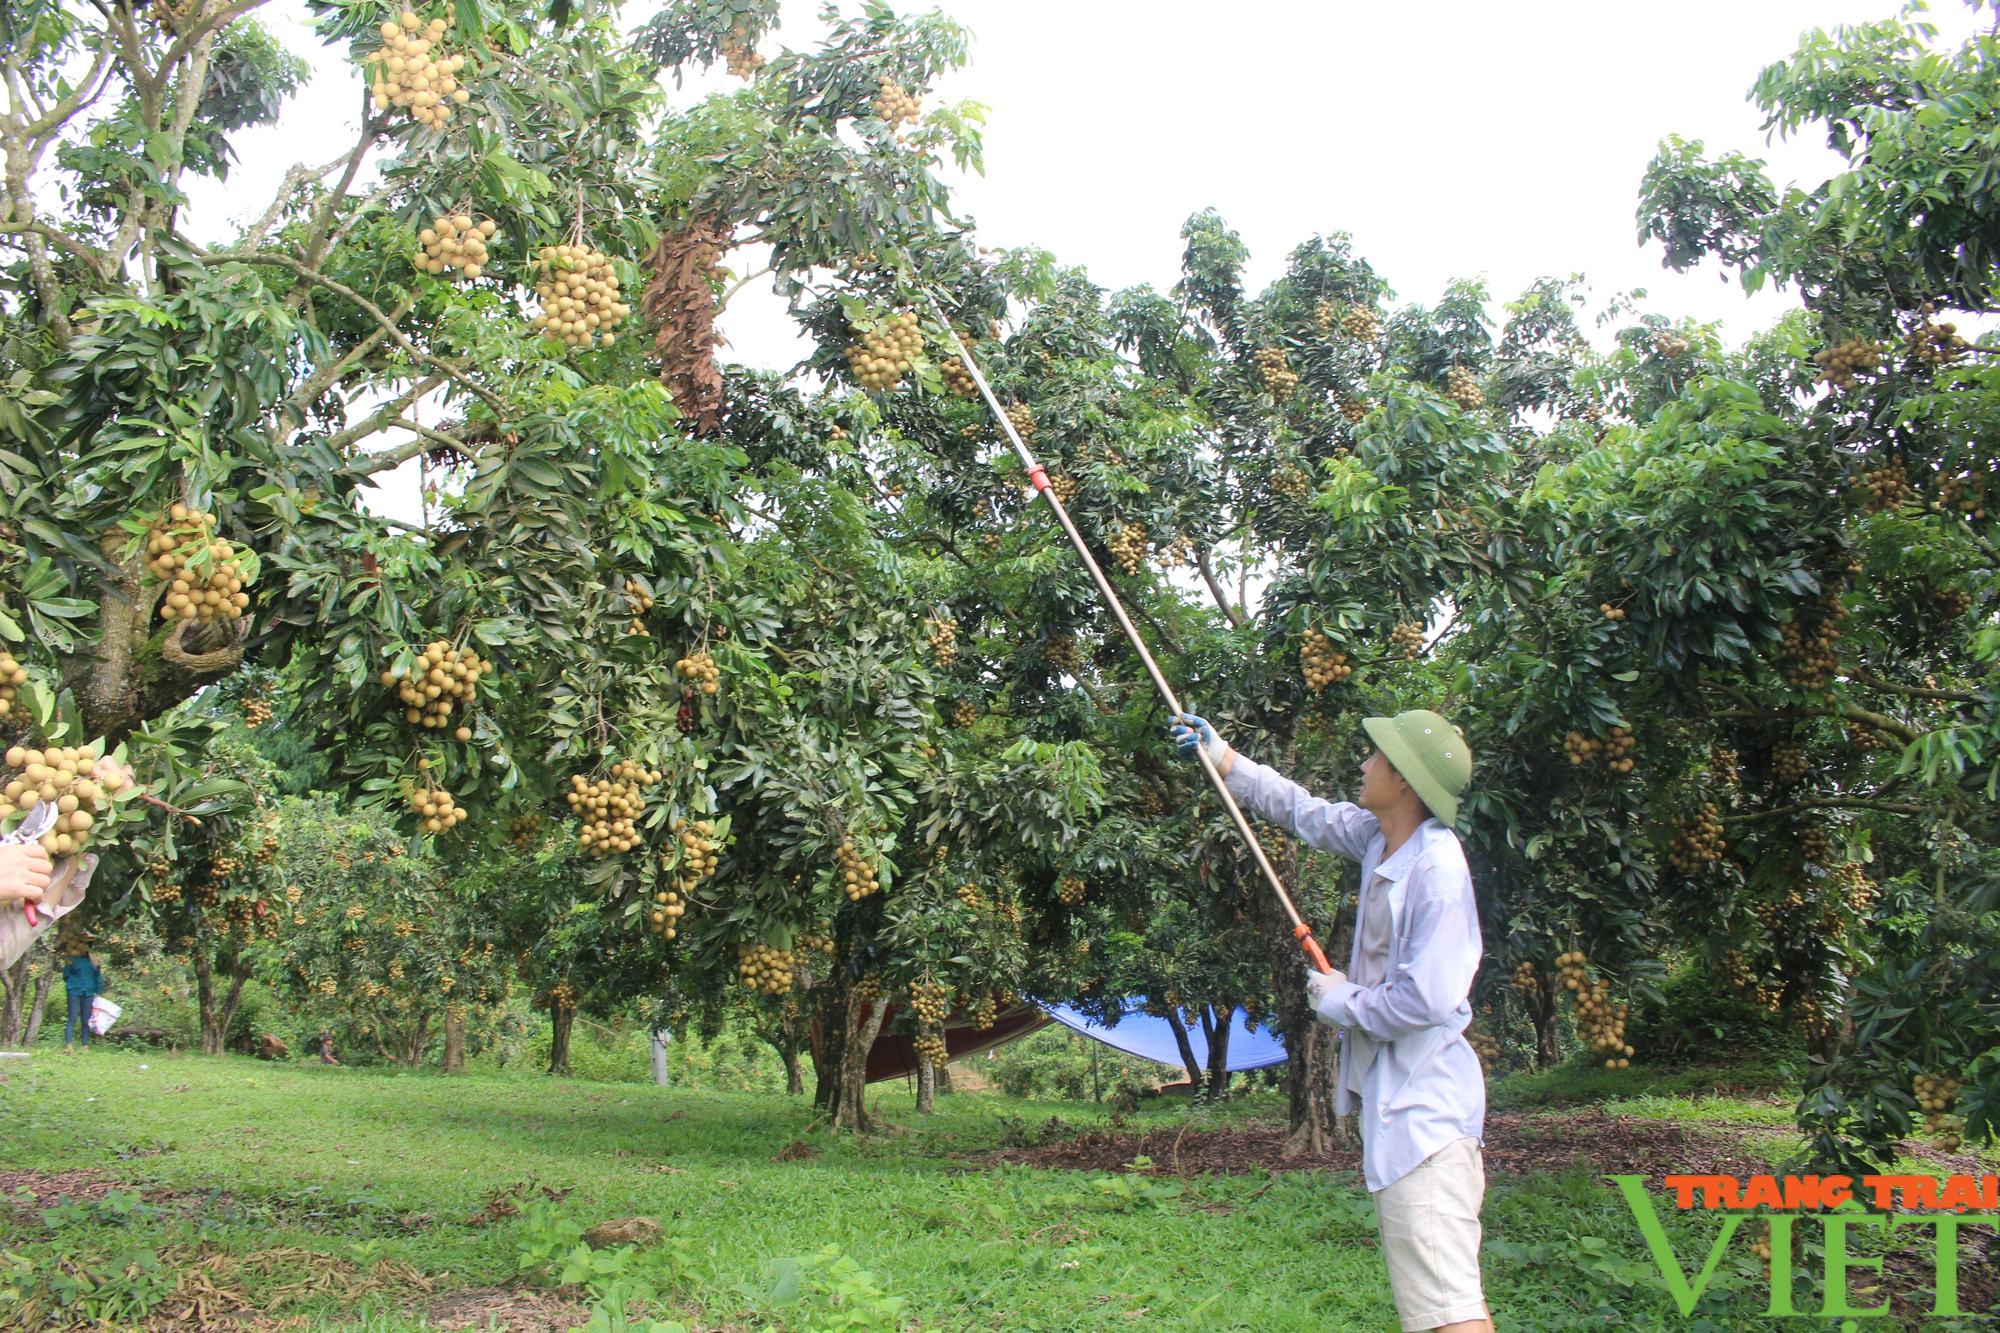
(1453, 139)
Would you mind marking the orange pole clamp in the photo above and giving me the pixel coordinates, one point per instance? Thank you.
(1040, 477)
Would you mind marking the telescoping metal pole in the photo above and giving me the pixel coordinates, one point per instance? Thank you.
(1041, 480)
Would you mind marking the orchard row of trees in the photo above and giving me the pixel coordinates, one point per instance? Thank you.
(798, 676)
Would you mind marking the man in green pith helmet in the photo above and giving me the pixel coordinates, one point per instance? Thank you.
(1404, 1003)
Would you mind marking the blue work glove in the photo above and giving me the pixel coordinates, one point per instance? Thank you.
(1190, 731)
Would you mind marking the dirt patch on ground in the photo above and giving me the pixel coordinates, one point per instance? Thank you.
(1516, 1146)
(506, 1310)
(51, 1187)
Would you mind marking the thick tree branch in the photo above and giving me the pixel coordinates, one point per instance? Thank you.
(1916, 692)
(1823, 803)
(381, 419)
(1215, 590)
(1846, 712)
(368, 307)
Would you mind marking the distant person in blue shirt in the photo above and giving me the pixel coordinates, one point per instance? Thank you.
(83, 980)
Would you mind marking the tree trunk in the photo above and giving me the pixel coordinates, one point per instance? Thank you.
(136, 670)
(45, 979)
(1314, 1065)
(204, 978)
(1541, 1006)
(562, 1018)
(795, 1079)
(943, 1078)
(417, 1039)
(1218, 1051)
(926, 1080)
(830, 1005)
(454, 1039)
(864, 1024)
(15, 1011)
(1193, 1065)
(239, 972)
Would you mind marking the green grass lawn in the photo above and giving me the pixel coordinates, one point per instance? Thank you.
(369, 1165)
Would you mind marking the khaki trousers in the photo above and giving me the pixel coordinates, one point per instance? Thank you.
(1429, 1223)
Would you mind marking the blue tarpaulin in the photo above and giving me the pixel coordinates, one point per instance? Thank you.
(1139, 1033)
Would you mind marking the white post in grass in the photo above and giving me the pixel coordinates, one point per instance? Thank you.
(660, 1038)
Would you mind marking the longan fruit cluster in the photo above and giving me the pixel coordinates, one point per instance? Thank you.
(957, 378)
(69, 777)
(1070, 890)
(869, 988)
(943, 634)
(1408, 639)
(1487, 1048)
(1852, 884)
(886, 352)
(1362, 324)
(1935, 1098)
(610, 807)
(763, 968)
(524, 831)
(1954, 602)
(1289, 481)
(1128, 547)
(256, 708)
(985, 1010)
(456, 242)
(1965, 493)
(1462, 387)
(701, 669)
(1523, 977)
(893, 106)
(1735, 973)
(1722, 766)
(1275, 370)
(964, 715)
(1788, 763)
(1815, 846)
(1023, 419)
(1326, 315)
(1672, 346)
(442, 679)
(637, 602)
(204, 579)
(1886, 487)
(408, 75)
(1937, 344)
(698, 858)
(1612, 612)
(970, 896)
(1352, 410)
(929, 1001)
(1064, 485)
(1761, 1247)
(1322, 663)
(853, 872)
(1600, 1021)
(578, 288)
(267, 850)
(929, 1046)
(666, 912)
(1839, 365)
(1062, 653)
(739, 52)
(1698, 843)
(436, 808)
(1614, 748)
(12, 677)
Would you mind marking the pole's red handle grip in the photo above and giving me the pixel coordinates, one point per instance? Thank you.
(1311, 946)
(29, 909)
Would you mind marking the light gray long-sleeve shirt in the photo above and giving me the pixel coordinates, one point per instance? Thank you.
(1423, 1088)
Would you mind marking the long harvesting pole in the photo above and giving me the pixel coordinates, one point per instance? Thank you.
(1040, 478)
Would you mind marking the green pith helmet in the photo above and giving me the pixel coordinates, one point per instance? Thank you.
(1430, 753)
